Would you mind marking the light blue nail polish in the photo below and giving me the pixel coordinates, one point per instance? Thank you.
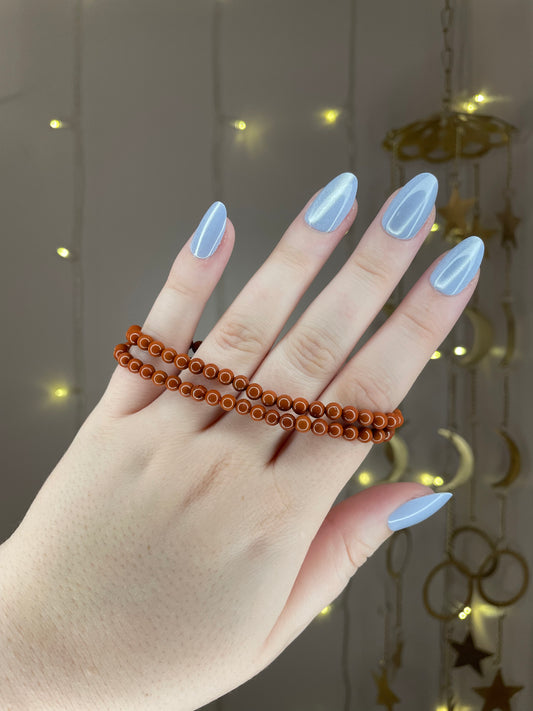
(411, 206)
(417, 510)
(458, 267)
(333, 203)
(209, 232)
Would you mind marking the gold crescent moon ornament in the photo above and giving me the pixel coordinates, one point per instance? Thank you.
(483, 337)
(466, 460)
(511, 334)
(515, 461)
(398, 454)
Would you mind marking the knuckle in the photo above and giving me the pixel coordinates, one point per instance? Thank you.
(375, 273)
(293, 259)
(238, 333)
(311, 351)
(181, 289)
(374, 390)
(417, 322)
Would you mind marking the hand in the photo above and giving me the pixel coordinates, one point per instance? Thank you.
(177, 549)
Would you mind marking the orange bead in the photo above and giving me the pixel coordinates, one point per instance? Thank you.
(196, 365)
(365, 434)
(350, 432)
(350, 413)
(284, 402)
(133, 333)
(225, 376)
(257, 412)
(319, 427)
(212, 397)
(380, 420)
(156, 348)
(254, 391)
(181, 361)
(186, 388)
(300, 405)
(124, 359)
(390, 433)
(173, 382)
(120, 348)
(272, 417)
(316, 408)
(335, 429)
(134, 364)
(287, 421)
(392, 422)
(378, 436)
(398, 414)
(303, 423)
(146, 371)
(198, 392)
(268, 397)
(144, 341)
(210, 371)
(168, 355)
(333, 410)
(240, 382)
(243, 406)
(366, 417)
(227, 402)
(159, 377)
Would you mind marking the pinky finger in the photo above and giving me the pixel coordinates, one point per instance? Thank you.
(175, 314)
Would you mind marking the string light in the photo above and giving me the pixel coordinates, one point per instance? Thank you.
(426, 478)
(459, 350)
(57, 123)
(365, 478)
(438, 481)
(435, 227)
(63, 252)
(330, 116)
(326, 610)
(480, 98)
(61, 392)
(239, 125)
(436, 355)
(465, 612)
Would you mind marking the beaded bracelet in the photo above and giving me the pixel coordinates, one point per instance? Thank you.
(372, 426)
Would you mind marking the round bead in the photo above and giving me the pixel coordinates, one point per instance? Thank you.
(284, 402)
(173, 382)
(286, 421)
(350, 414)
(225, 376)
(366, 417)
(210, 371)
(196, 365)
(333, 410)
(378, 436)
(134, 365)
(335, 429)
(198, 392)
(168, 355)
(316, 408)
(350, 432)
(159, 377)
(186, 388)
(120, 348)
(391, 420)
(300, 405)
(398, 413)
(146, 371)
(380, 420)
(181, 361)
(227, 402)
(303, 423)
(124, 359)
(144, 341)
(254, 391)
(365, 434)
(319, 427)
(272, 417)
(240, 382)
(195, 345)
(257, 412)
(389, 432)
(156, 348)
(212, 397)
(243, 406)
(133, 333)
(268, 397)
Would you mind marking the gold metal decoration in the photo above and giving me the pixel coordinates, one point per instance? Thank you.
(386, 697)
(466, 460)
(483, 337)
(514, 461)
(497, 696)
(469, 654)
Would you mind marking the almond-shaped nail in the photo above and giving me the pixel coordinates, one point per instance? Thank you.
(458, 267)
(333, 203)
(411, 206)
(417, 510)
(210, 231)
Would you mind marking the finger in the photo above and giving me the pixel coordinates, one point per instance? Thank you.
(315, 348)
(381, 374)
(245, 333)
(175, 314)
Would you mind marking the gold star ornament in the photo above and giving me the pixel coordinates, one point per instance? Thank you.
(386, 697)
(509, 224)
(469, 654)
(455, 213)
(497, 696)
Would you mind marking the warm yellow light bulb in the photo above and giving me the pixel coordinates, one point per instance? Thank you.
(56, 123)
(438, 481)
(436, 355)
(63, 252)
(365, 478)
(459, 350)
(468, 610)
(60, 392)
(435, 227)
(480, 98)
(426, 478)
(240, 125)
(470, 107)
(331, 115)
(326, 610)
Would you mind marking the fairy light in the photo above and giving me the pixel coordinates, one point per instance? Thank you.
(63, 252)
(480, 98)
(459, 350)
(61, 392)
(57, 123)
(330, 116)
(365, 478)
(435, 227)
(326, 610)
(465, 612)
(240, 125)
(426, 478)
(436, 355)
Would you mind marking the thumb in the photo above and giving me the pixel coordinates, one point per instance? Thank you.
(351, 532)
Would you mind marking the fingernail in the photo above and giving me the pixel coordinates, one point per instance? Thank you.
(411, 206)
(417, 510)
(333, 203)
(209, 232)
(458, 267)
